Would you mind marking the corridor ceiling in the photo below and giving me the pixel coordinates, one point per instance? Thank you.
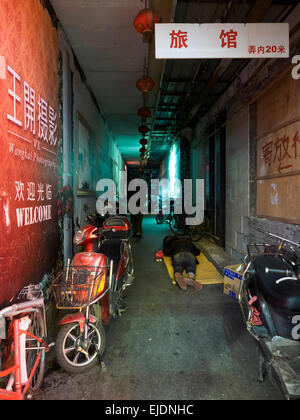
(113, 57)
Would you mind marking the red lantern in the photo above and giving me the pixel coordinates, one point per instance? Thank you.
(143, 150)
(144, 130)
(143, 142)
(144, 23)
(145, 84)
(144, 113)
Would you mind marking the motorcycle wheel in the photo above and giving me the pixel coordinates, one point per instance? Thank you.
(69, 344)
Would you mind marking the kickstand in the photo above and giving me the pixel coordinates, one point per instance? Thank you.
(102, 364)
(121, 310)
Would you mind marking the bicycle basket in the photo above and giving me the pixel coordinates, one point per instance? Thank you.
(30, 292)
(77, 287)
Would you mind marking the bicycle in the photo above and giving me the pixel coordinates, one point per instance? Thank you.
(23, 331)
(195, 233)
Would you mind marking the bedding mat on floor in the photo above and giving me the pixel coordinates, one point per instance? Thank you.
(206, 272)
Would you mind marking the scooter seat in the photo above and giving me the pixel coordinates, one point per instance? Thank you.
(284, 294)
(112, 249)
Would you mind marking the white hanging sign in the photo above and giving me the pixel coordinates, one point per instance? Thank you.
(218, 40)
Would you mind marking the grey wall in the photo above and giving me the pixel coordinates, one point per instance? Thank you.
(237, 183)
(103, 142)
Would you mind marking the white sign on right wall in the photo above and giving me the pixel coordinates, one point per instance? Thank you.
(216, 40)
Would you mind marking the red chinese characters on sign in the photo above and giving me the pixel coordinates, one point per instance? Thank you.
(281, 146)
(179, 39)
(281, 152)
(266, 49)
(295, 142)
(229, 39)
(267, 153)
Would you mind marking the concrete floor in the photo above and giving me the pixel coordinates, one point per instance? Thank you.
(170, 344)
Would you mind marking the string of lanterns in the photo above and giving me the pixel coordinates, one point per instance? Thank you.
(144, 23)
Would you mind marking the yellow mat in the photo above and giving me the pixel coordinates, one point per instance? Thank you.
(206, 272)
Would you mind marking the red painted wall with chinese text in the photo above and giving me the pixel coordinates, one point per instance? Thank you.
(29, 135)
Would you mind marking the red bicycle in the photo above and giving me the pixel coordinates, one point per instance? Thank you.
(22, 344)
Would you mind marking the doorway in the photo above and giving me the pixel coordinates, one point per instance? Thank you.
(216, 183)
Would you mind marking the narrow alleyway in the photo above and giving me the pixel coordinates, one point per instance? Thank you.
(106, 104)
(169, 345)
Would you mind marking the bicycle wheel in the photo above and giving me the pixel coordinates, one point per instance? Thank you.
(177, 225)
(37, 328)
(196, 233)
(75, 355)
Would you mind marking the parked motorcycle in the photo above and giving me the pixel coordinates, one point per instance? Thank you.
(269, 297)
(92, 287)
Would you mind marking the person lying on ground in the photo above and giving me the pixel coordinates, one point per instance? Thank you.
(183, 253)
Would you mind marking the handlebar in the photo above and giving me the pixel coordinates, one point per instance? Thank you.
(286, 279)
(278, 271)
(16, 308)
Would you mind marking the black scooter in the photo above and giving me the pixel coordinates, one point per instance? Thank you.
(269, 297)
